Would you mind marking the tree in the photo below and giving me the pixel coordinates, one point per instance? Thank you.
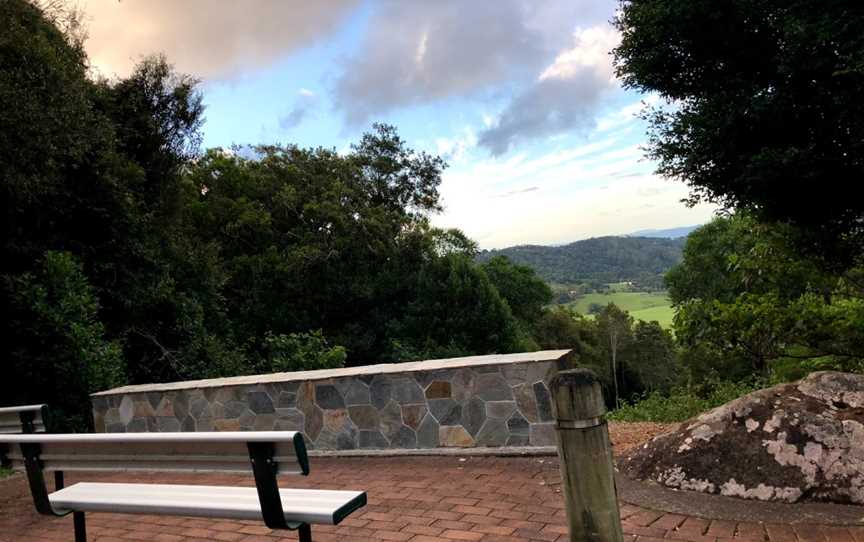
(764, 108)
(651, 360)
(524, 291)
(56, 308)
(456, 311)
(746, 304)
(615, 327)
(736, 254)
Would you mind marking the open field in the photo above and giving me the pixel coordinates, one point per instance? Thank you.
(640, 305)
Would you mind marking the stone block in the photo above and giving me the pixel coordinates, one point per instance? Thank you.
(126, 410)
(167, 425)
(373, 439)
(518, 425)
(439, 389)
(328, 397)
(404, 438)
(517, 440)
(234, 409)
(336, 420)
(544, 402)
(390, 419)
(500, 409)
(493, 387)
(427, 433)
(289, 419)
(543, 434)
(354, 391)
(493, 433)
(260, 403)
(364, 416)
(446, 411)
(474, 414)
(380, 391)
(286, 399)
(527, 402)
(406, 391)
(188, 425)
(412, 415)
(462, 384)
(454, 436)
(165, 408)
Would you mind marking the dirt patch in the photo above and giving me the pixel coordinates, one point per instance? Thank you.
(626, 435)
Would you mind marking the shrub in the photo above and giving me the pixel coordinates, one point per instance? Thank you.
(683, 402)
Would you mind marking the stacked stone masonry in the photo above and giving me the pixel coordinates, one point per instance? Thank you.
(481, 401)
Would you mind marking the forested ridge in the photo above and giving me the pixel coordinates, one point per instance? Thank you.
(599, 259)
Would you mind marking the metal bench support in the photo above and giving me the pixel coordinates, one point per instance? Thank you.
(80, 527)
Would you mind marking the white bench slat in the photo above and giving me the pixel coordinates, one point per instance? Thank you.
(22, 408)
(166, 452)
(300, 505)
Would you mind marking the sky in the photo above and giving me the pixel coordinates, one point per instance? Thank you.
(543, 143)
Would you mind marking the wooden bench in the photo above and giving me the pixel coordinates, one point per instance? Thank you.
(23, 419)
(265, 454)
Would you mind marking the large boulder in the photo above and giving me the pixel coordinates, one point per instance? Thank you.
(802, 441)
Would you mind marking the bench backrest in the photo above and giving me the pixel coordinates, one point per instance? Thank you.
(23, 419)
(263, 453)
(165, 452)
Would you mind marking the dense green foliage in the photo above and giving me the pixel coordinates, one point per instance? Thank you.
(600, 260)
(747, 304)
(683, 402)
(631, 357)
(765, 110)
(130, 256)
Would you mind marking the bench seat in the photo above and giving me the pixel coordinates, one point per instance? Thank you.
(299, 505)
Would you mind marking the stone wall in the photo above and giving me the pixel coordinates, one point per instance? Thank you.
(499, 400)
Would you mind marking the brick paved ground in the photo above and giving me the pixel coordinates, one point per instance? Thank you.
(421, 499)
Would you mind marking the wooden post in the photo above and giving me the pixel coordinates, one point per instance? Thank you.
(585, 454)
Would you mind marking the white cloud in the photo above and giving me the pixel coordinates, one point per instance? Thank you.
(418, 52)
(206, 38)
(564, 97)
(303, 104)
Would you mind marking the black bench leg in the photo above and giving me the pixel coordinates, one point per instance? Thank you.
(305, 532)
(80, 529)
(58, 480)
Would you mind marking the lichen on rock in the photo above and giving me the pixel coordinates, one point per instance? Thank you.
(802, 441)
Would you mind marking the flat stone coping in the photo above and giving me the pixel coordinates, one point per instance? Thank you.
(366, 370)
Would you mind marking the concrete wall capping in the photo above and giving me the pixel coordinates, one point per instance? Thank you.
(478, 401)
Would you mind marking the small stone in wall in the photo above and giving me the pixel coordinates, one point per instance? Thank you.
(454, 436)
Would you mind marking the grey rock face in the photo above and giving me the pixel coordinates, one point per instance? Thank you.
(802, 441)
(446, 411)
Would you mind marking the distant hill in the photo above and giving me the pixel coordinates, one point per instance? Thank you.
(601, 259)
(671, 233)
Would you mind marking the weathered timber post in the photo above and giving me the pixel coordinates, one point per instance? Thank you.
(585, 454)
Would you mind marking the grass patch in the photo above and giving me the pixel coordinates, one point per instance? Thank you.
(4, 472)
(682, 403)
(663, 315)
(646, 306)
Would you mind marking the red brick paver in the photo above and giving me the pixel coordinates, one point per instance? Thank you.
(416, 499)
